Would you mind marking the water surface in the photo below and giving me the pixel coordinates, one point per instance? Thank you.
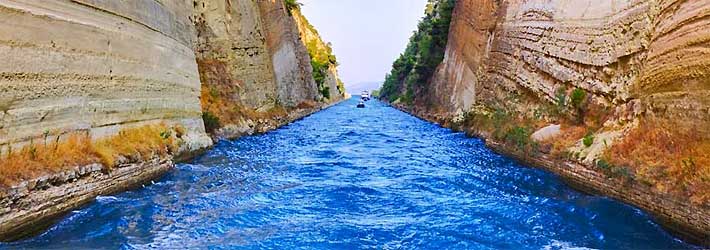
(348, 178)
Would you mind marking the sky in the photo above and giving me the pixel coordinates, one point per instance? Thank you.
(367, 35)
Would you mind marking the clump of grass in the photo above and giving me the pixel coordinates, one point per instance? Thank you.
(291, 5)
(34, 160)
(137, 144)
(568, 137)
(519, 136)
(672, 157)
(77, 149)
(306, 105)
(211, 121)
(220, 98)
(588, 140)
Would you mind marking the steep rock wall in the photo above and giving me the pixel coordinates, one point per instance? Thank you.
(231, 37)
(96, 66)
(254, 67)
(291, 62)
(619, 51)
(628, 80)
(105, 66)
(320, 51)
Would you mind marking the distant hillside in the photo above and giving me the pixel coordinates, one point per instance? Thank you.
(356, 88)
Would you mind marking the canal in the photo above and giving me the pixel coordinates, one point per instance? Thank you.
(348, 178)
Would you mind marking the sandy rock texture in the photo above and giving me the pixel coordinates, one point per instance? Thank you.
(231, 35)
(291, 62)
(635, 61)
(652, 54)
(254, 65)
(98, 66)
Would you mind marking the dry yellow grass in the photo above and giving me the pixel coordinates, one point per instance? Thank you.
(569, 135)
(674, 158)
(220, 98)
(134, 144)
(35, 160)
(137, 144)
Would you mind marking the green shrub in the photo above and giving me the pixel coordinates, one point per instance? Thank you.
(588, 140)
(325, 91)
(577, 97)
(211, 121)
(291, 5)
(424, 52)
(604, 164)
(519, 136)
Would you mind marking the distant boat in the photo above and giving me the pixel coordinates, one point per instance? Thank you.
(365, 96)
(361, 104)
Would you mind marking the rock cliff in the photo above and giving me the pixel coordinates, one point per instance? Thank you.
(255, 67)
(98, 96)
(628, 81)
(323, 61)
(96, 66)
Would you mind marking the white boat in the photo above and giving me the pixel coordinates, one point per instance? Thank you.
(365, 96)
(361, 104)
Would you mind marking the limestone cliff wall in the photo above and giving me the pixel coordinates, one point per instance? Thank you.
(291, 62)
(102, 66)
(255, 69)
(231, 38)
(321, 51)
(517, 65)
(619, 51)
(97, 66)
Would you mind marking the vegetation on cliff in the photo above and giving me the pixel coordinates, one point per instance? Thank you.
(77, 149)
(412, 71)
(322, 58)
(292, 5)
(671, 157)
(220, 98)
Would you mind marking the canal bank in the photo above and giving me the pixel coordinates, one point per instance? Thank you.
(33, 206)
(683, 219)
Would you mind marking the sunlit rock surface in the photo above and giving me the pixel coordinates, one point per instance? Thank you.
(96, 66)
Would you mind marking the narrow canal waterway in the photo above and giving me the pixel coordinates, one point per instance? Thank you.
(348, 178)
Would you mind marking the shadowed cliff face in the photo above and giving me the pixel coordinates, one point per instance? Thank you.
(292, 65)
(96, 66)
(230, 35)
(253, 65)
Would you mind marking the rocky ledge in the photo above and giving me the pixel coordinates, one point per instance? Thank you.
(250, 127)
(683, 219)
(34, 205)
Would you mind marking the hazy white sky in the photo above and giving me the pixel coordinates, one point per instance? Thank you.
(367, 35)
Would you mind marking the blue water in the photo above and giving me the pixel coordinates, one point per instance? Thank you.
(348, 178)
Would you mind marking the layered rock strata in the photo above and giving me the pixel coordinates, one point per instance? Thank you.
(255, 68)
(604, 69)
(100, 66)
(96, 66)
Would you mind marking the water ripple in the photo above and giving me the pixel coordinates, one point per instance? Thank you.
(347, 178)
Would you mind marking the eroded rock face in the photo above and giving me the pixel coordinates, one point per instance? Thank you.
(291, 62)
(254, 67)
(631, 61)
(98, 66)
(312, 40)
(619, 51)
(231, 33)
